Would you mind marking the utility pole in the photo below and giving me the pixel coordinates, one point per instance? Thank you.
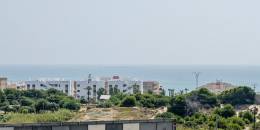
(196, 75)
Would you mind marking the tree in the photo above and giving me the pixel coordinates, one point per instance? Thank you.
(162, 93)
(2, 96)
(55, 92)
(129, 101)
(26, 101)
(71, 105)
(114, 100)
(41, 104)
(227, 111)
(116, 90)
(247, 116)
(203, 97)
(52, 106)
(4, 106)
(179, 106)
(160, 102)
(33, 93)
(111, 90)
(136, 89)
(88, 92)
(101, 91)
(246, 96)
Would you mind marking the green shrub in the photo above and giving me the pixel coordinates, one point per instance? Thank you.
(237, 120)
(227, 111)
(71, 105)
(114, 100)
(105, 104)
(57, 116)
(232, 126)
(238, 96)
(26, 101)
(129, 101)
(247, 116)
(26, 109)
(165, 115)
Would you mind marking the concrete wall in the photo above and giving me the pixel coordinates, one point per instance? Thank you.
(42, 127)
(96, 127)
(82, 127)
(60, 128)
(133, 126)
(7, 128)
(164, 126)
(114, 126)
(148, 126)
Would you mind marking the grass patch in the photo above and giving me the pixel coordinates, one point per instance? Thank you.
(58, 116)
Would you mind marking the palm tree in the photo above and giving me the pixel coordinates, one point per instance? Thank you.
(136, 89)
(88, 93)
(181, 92)
(186, 90)
(171, 92)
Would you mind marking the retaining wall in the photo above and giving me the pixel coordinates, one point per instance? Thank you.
(96, 125)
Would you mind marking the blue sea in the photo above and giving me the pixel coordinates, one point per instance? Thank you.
(177, 77)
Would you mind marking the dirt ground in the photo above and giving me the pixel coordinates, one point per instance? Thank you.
(117, 113)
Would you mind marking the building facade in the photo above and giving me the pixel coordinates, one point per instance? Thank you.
(65, 86)
(152, 86)
(88, 89)
(3, 82)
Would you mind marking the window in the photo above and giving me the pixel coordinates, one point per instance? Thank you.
(78, 85)
(111, 90)
(78, 90)
(28, 86)
(33, 86)
(94, 90)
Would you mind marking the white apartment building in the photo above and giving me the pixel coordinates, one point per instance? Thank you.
(84, 89)
(65, 86)
(89, 88)
(125, 86)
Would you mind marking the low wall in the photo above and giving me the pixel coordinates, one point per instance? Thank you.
(96, 125)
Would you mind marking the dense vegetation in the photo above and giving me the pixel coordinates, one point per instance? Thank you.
(238, 96)
(16, 102)
(201, 109)
(141, 100)
(196, 109)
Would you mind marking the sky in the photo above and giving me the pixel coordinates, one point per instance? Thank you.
(131, 32)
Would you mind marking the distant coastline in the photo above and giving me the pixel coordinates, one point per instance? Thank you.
(170, 76)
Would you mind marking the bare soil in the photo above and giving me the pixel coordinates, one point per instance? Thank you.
(117, 113)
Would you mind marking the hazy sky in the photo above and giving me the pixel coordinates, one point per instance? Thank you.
(130, 32)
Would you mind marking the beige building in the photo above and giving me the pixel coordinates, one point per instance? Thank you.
(218, 86)
(152, 86)
(3, 82)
